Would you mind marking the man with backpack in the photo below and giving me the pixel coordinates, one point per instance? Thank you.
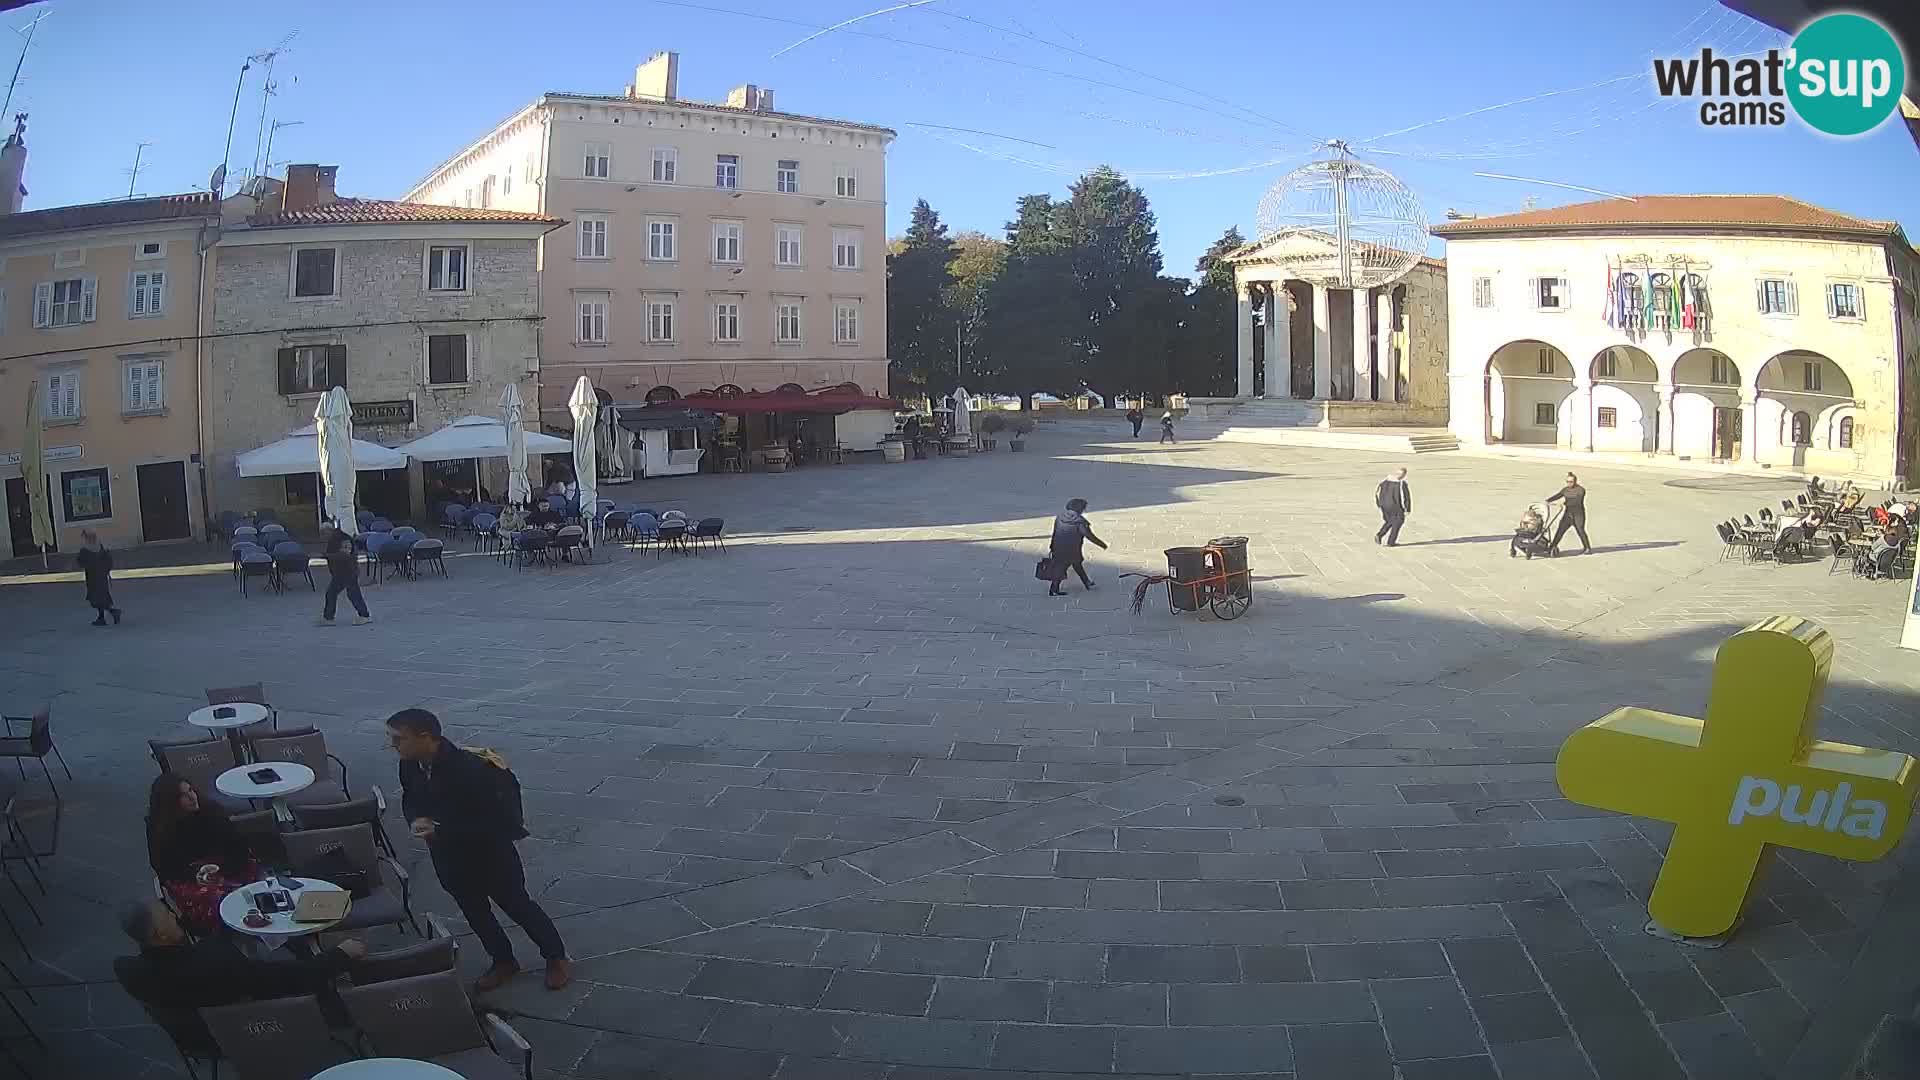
(465, 805)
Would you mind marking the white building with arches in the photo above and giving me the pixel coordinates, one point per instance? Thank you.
(1745, 330)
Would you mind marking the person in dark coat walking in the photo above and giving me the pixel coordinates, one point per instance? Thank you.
(1395, 500)
(1166, 427)
(1071, 530)
(466, 808)
(1575, 517)
(97, 563)
(343, 576)
(1136, 418)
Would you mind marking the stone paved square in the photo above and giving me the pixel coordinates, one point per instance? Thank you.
(855, 798)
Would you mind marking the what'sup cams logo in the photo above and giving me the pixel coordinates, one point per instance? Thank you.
(1842, 74)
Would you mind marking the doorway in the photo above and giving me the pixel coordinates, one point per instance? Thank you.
(1726, 434)
(163, 501)
(20, 520)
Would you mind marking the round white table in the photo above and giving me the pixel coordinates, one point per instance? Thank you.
(280, 926)
(244, 713)
(293, 777)
(387, 1069)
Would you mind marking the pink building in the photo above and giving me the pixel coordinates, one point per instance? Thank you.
(710, 245)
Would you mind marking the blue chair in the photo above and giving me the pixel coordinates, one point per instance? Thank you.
(396, 555)
(529, 547)
(257, 563)
(244, 534)
(379, 524)
(290, 558)
(272, 536)
(429, 552)
(364, 518)
(407, 533)
(643, 528)
(371, 543)
(452, 519)
(482, 525)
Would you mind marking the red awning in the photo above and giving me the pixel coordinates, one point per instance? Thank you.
(777, 401)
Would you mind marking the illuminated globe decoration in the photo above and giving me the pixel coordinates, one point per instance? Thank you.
(1375, 223)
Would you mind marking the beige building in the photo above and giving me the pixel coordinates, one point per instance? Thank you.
(101, 305)
(709, 246)
(424, 313)
(1350, 357)
(1745, 330)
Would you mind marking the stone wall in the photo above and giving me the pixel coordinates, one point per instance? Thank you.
(383, 315)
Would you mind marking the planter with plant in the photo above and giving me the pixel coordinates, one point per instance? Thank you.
(1021, 429)
(991, 425)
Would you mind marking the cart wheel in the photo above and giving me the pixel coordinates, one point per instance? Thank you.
(1229, 606)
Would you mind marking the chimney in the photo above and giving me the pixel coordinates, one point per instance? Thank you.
(749, 96)
(13, 167)
(658, 78)
(309, 186)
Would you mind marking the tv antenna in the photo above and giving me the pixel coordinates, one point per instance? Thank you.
(133, 174)
(17, 64)
(266, 159)
(267, 89)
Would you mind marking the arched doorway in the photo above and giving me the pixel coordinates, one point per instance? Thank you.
(662, 393)
(1706, 406)
(1801, 408)
(1626, 411)
(1528, 386)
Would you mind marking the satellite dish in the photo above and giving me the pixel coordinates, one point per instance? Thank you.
(218, 183)
(1368, 229)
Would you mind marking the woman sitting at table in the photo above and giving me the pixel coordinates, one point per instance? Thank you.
(195, 851)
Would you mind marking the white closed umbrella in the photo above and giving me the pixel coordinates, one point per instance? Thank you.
(33, 472)
(333, 426)
(518, 493)
(586, 416)
(962, 413)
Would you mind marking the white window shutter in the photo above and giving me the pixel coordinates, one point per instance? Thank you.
(1760, 296)
(1833, 302)
(1793, 298)
(1566, 294)
(86, 300)
(154, 373)
(43, 303)
(1533, 289)
(156, 291)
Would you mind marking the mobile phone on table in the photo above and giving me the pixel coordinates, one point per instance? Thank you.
(225, 712)
(264, 776)
(287, 883)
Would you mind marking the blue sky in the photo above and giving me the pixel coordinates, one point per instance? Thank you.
(1236, 89)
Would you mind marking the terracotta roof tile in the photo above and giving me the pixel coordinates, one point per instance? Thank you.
(118, 212)
(1675, 211)
(387, 211)
(708, 106)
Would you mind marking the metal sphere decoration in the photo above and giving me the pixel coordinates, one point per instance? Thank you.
(1376, 225)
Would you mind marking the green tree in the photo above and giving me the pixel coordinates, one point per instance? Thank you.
(1206, 359)
(1027, 343)
(919, 321)
(1113, 242)
(978, 262)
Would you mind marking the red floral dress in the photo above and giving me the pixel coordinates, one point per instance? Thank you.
(196, 840)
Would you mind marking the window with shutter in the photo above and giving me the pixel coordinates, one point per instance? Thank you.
(63, 395)
(1846, 433)
(1483, 292)
(447, 360)
(148, 293)
(315, 273)
(43, 304)
(312, 369)
(144, 382)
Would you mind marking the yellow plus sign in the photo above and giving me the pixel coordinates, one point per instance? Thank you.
(1750, 775)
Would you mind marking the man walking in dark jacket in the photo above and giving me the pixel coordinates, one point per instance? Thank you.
(466, 809)
(1575, 517)
(343, 576)
(1395, 500)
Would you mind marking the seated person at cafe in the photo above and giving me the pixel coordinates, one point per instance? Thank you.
(1795, 532)
(174, 972)
(544, 516)
(195, 850)
(1886, 547)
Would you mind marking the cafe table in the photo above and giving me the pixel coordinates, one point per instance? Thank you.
(280, 927)
(231, 718)
(291, 776)
(387, 1069)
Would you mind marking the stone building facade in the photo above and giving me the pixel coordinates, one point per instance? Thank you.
(1751, 331)
(424, 313)
(1356, 357)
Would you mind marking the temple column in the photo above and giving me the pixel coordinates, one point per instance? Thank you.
(1362, 346)
(1243, 311)
(1383, 347)
(1279, 341)
(1322, 343)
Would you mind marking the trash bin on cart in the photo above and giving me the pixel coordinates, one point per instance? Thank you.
(1233, 550)
(1186, 570)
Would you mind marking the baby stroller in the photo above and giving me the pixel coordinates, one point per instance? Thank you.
(1531, 541)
